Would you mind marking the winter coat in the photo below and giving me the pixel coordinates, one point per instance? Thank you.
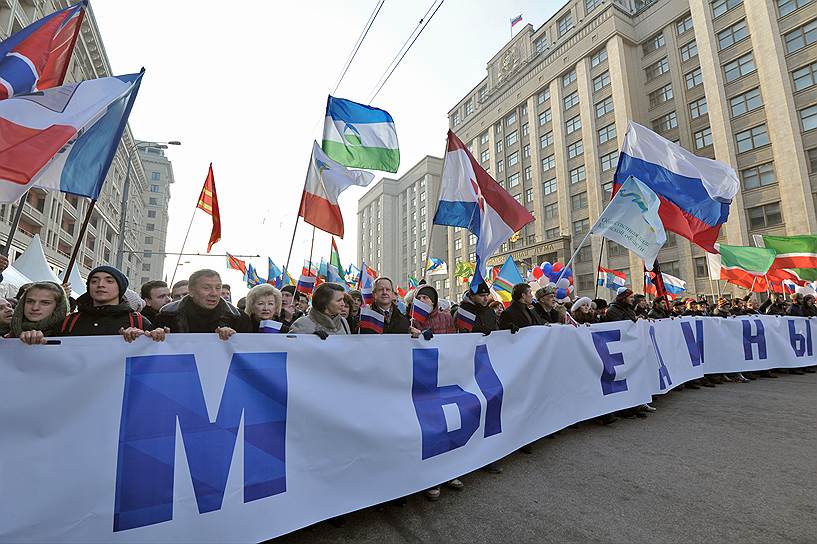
(547, 316)
(397, 322)
(772, 308)
(620, 311)
(485, 322)
(658, 313)
(90, 320)
(318, 321)
(518, 314)
(438, 322)
(186, 316)
(795, 310)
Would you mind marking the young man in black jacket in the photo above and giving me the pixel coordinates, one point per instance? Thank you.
(203, 310)
(621, 309)
(519, 314)
(477, 304)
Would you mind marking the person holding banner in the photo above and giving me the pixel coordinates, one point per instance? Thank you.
(346, 313)
(324, 319)
(203, 310)
(622, 308)
(39, 313)
(263, 305)
(384, 304)
(582, 311)
(438, 322)
(288, 314)
(6, 311)
(477, 304)
(519, 314)
(545, 305)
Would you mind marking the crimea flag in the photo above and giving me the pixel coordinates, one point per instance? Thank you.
(360, 136)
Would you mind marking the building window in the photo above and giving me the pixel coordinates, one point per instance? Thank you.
(571, 100)
(510, 120)
(739, 67)
(513, 159)
(758, 176)
(580, 227)
(732, 35)
(607, 191)
(615, 250)
(719, 7)
(500, 166)
(694, 78)
(573, 124)
(526, 151)
(752, 139)
(607, 133)
(525, 129)
(151, 214)
(579, 201)
(577, 174)
(552, 234)
(548, 162)
(598, 57)
(656, 69)
(689, 51)
(808, 117)
(661, 95)
(528, 195)
(608, 161)
(145, 267)
(764, 216)
(518, 198)
(698, 108)
(604, 107)
(653, 44)
(455, 118)
(672, 268)
(565, 24)
(805, 77)
(546, 139)
(469, 108)
(512, 138)
(155, 176)
(528, 173)
(153, 201)
(569, 78)
(457, 244)
(788, 6)
(601, 81)
(684, 25)
(150, 227)
(148, 240)
(665, 122)
(155, 189)
(544, 117)
(499, 145)
(703, 138)
(551, 211)
(523, 110)
(748, 101)
(549, 186)
(485, 155)
(584, 255)
(575, 149)
(543, 96)
(483, 93)
(542, 45)
(812, 160)
(800, 37)
(701, 268)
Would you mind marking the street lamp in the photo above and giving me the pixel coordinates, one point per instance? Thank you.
(125, 190)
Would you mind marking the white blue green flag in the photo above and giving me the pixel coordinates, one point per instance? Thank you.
(360, 136)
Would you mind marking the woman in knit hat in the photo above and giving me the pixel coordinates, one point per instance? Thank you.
(39, 313)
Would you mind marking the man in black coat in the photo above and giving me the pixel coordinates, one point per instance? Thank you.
(103, 310)
(621, 308)
(519, 314)
(659, 309)
(155, 294)
(203, 310)
(545, 305)
(384, 304)
(477, 304)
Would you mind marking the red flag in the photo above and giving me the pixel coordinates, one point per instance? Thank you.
(234, 263)
(208, 202)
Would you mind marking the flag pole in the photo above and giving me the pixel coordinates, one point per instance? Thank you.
(311, 247)
(173, 278)
(81, 239)
(431, 229)
(598, 268)
(572, 257)
(18, 214)
(292, 243)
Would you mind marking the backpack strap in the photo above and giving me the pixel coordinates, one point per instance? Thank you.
(69, 322)
(135, 319)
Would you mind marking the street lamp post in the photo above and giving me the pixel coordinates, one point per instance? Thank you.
(125, 190)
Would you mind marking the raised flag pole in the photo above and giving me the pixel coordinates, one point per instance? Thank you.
(311, 247)
(179, 260)
(81, 239)
(433, 224)
(598, 267)
(573, 257)
(292, 242)
(18, 214)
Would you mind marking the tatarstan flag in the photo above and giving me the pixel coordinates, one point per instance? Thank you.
(742, 265)
(798, 253)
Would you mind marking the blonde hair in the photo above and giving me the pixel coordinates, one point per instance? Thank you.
(259, 291)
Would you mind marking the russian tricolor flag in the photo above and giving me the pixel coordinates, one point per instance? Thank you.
(695, 192)
(270, 326)
(674, 286)
(465, 319)
(306, 284)
(611, 279)
(366, 285)
(420, 311)
(371, 321)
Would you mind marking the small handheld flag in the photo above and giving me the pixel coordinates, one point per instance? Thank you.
(270, 326)
(306, 284)
(612, 279)
(465, 320)
(253, 278)
(420, 311)
(234, 263)
(372, 321)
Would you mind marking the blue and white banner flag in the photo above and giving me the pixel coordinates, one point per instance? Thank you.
(631, 219)
(270, 326)
(360, 136)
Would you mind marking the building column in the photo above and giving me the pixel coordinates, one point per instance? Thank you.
(534, 133)
(782, 119)
(560, 154)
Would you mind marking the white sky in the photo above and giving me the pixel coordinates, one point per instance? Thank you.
(246, 89)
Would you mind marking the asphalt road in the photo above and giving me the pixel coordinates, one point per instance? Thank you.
(737, 463)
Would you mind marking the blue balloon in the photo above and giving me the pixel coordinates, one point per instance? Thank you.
(547, 269)
(568, 273)
(561, 293)
(554, 276)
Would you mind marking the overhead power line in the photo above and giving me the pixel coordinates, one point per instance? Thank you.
(359, 42)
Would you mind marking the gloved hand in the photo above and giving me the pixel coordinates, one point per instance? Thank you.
(486, 333)
(322, 335)
(514, 328)
(427, 334)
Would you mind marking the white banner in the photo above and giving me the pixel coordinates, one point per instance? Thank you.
(199, 440)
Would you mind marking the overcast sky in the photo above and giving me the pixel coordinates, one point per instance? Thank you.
(246, 89)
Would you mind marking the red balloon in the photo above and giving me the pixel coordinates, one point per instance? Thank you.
(570, 279)
(557, 267)
(537, 273)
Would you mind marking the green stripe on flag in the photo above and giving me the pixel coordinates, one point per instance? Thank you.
(372, 158)
(755, 260)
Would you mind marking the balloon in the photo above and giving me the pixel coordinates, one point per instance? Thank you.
(563, 283)
(537, 273)
(561, 293)
(568, 272)
(534, 286)
(557, 267)
(546, 268)
(570, 279)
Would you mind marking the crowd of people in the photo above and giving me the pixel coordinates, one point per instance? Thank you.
(202, 303)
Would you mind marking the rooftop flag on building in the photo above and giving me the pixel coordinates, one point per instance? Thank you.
(360, 136)
(797, 253)
(611, 279)
(695, 192)
(37, 57)
(234, 263)
(208, 202)
(325, 181)
(371, 321)
(64, 138)
(515, 20)
(472, 199)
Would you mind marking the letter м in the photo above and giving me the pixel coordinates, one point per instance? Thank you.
(163, 389)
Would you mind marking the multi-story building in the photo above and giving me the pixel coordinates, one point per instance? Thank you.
(727, 79)
(57, 217)
(394, 222)
(153, 229)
